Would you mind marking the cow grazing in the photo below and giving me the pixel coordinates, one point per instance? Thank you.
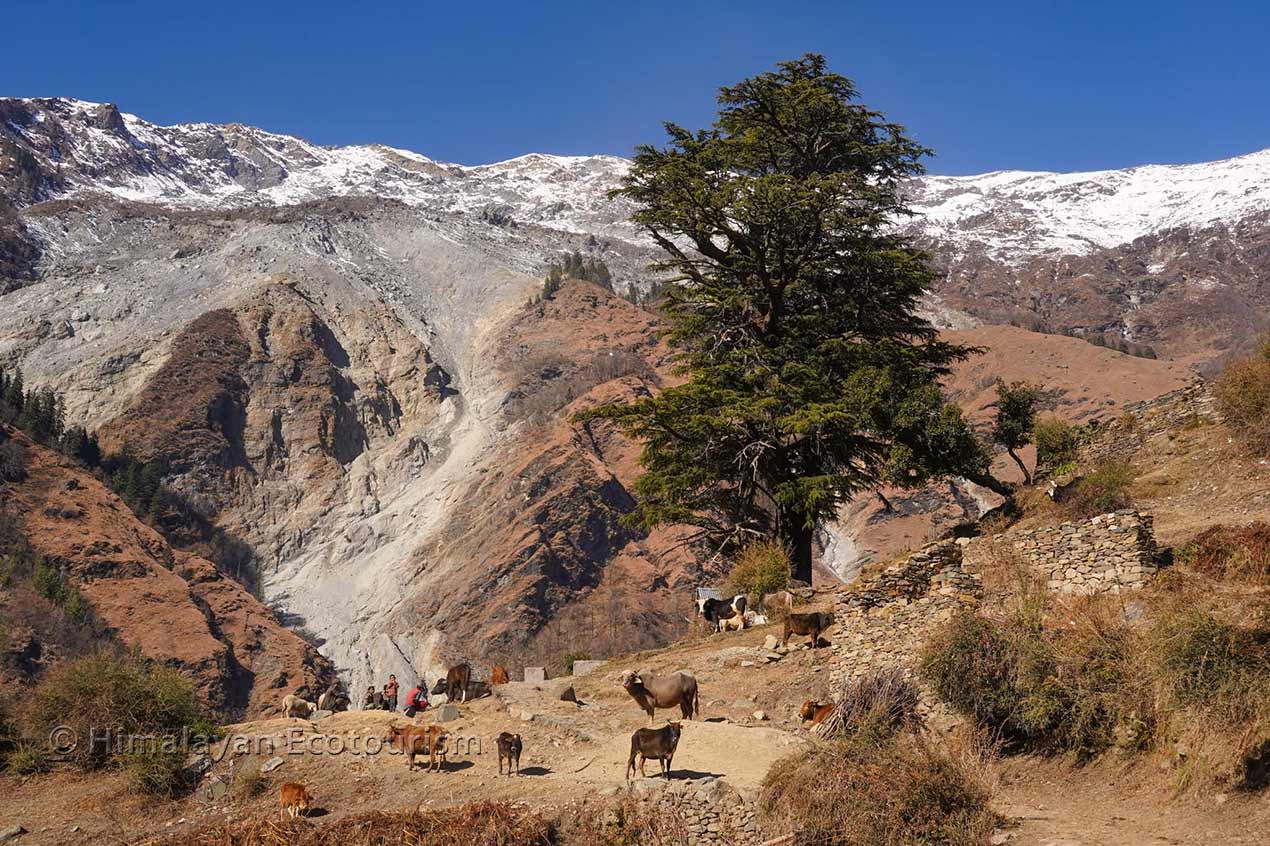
(815, 712)
(417, 740)
(717, 610)
(807, 624)
(293, 800)
(509, 747)
(296, 706)
(652, 691)
(458, 678)
(658, 744)
(498, 675)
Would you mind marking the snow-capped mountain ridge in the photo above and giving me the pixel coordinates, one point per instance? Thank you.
(81, 147)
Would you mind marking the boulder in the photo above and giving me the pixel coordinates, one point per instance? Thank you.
(448, 713)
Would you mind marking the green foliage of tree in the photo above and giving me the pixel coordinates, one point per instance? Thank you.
(792, 313)
(1016, 417)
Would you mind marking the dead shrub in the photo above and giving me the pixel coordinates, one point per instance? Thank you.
(1241, 553)
(1242, 392)
(474, 824)
(879, 703)
(867, 792)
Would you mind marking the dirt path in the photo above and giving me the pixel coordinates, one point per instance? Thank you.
(1112, 804)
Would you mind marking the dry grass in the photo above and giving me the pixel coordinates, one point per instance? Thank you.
(880, 703)
(1241, 553)
(1243, 398)
(1190, 678)
(476, 824)
(870, 792)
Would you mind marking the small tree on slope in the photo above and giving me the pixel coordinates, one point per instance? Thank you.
(1016, 417)
(792, 314)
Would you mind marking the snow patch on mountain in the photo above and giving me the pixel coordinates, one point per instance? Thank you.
(1008, 215)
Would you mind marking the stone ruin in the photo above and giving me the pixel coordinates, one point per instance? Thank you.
(1110, 553)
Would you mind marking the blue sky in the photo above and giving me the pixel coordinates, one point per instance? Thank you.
(1027, 84)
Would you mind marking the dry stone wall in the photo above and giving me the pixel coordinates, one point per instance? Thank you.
(702, 811)
(883, 622)
(1109, 553)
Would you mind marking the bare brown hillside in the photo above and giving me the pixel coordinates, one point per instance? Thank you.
(175, 607)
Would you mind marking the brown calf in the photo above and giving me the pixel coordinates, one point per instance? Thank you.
(815, 711)
(509, 748)
(416, 740)
(807, 624)
(498, 675)
(653, 743)
(293, 800)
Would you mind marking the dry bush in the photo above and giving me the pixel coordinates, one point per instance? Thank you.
(760, 569)
(880, 703)
(128, 708)
(1243, 398)
(867, 792)
(1073, 686)
(630, 822)
(1103, 489)
(1075, 676)
(474, 824)
(1241, 553)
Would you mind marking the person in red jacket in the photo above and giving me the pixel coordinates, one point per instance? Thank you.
(416, 700)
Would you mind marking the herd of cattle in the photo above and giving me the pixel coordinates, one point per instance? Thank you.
(650, 691)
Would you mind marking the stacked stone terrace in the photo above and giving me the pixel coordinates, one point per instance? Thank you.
(1110, 553)
(885, 621)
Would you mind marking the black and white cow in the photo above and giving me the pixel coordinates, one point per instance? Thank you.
(717, 610)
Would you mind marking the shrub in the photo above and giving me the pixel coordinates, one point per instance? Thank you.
(1208, 663)
(25, 759)
(761, 568)
(1104, 489)
(1238, 552)
(888, 793)
(880, 703)
(1056, 441)
(134, 712)
(1071, 688)
(1242, 392)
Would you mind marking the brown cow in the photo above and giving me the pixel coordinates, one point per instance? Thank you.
(509, 748)
(807, 624)
(653, 743)
(498, 675)
(651, 692)
(416, 740)
(458, 678)
(815, 711)
(293, 800)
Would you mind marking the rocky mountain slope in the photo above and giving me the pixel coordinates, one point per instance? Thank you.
(335, 351)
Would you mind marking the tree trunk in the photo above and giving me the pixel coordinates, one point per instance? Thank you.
(886, 503)
(1027, 477)
(992, 483)
(799, 538)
